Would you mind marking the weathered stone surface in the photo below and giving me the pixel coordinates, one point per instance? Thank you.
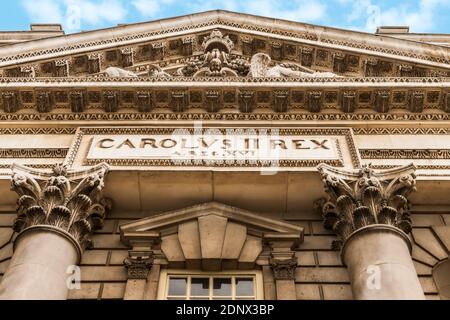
(428, 285)
(94, 257)
(113, 290)
(6, 252)
(443, 233)
(426, 220)
(320, 275)
(285, 290)
(235, 236)
(212, 233)
(330, 258)
(337, 292)
(4, 265)
(422, 270)
(5, 235)
(307, 292)
(421, 255)
(305, 258)
(103, 273)
(251, 250)
(318, 242)
(109, 226)
(172, 248)
(426, 239)
(188, 235)
(107, 241)
(88, 291)
(319, 229)
(7, 219)
(117, 257)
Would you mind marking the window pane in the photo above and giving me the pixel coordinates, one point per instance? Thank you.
(177, 286)
(244, 287)
(222, 287)
(199, 286)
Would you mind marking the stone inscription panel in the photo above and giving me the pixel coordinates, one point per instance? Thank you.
(212, 147)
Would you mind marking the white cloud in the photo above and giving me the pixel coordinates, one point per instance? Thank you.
(43, 11)
(73, 14)
(421, 15)
(296, 10)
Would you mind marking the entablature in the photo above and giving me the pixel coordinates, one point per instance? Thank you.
(218, 98)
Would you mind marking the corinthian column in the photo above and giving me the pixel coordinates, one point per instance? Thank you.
(56, 213)
(368, 210)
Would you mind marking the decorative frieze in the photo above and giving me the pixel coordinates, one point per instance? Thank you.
(348, 103)
(20, 153)
(127, 57)
(315, 101)
(371, 67)
(179, 101)
(77, 101)
(212, 101)
(44, 102)
(93, 63)
(446, 102)
(417, 101)
(247, 101)
(10, 102)
(144, 101)
(281, 100)
(69, 201)
(339, 63)
(419, 154)
(138, 264)
(366, 197)
(110, 101)
(284, 269)
(307, 57)
(187, 45)
(382, 101)
(61, 68)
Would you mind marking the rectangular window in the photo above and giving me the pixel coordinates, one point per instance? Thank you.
(188, 285)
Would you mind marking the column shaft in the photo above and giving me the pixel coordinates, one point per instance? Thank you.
(380, 266)
(38, 269)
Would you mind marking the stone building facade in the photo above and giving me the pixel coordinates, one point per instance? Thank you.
(224, 155)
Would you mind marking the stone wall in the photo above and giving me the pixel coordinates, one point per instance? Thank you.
(320, 275)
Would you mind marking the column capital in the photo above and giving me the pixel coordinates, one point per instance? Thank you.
(366, 197)
(284, 269)
(68, 201)
(138, 264)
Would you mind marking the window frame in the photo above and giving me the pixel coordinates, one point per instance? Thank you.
(166, 274)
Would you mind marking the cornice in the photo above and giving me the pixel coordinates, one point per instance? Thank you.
(192, 116)
(267, 27)
(98, 98)
(201, 82)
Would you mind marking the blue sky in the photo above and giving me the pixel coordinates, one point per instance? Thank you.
(364, 15)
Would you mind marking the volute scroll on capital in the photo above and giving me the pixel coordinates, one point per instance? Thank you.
(365, 197)
(68, 201)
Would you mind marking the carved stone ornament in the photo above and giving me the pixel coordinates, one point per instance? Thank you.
(284, 269)
(138, 264)
(260, 66)
(366, 197)
(69, 201)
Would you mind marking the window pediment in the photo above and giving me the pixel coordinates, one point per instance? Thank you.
(212, 236)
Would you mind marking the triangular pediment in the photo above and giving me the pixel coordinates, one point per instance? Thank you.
(170, 219)
(171, 44)
(211, 236)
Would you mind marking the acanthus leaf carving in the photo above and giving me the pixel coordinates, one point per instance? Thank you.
(138, 264)
(366, 197)
(284, 269)
(69, 201)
